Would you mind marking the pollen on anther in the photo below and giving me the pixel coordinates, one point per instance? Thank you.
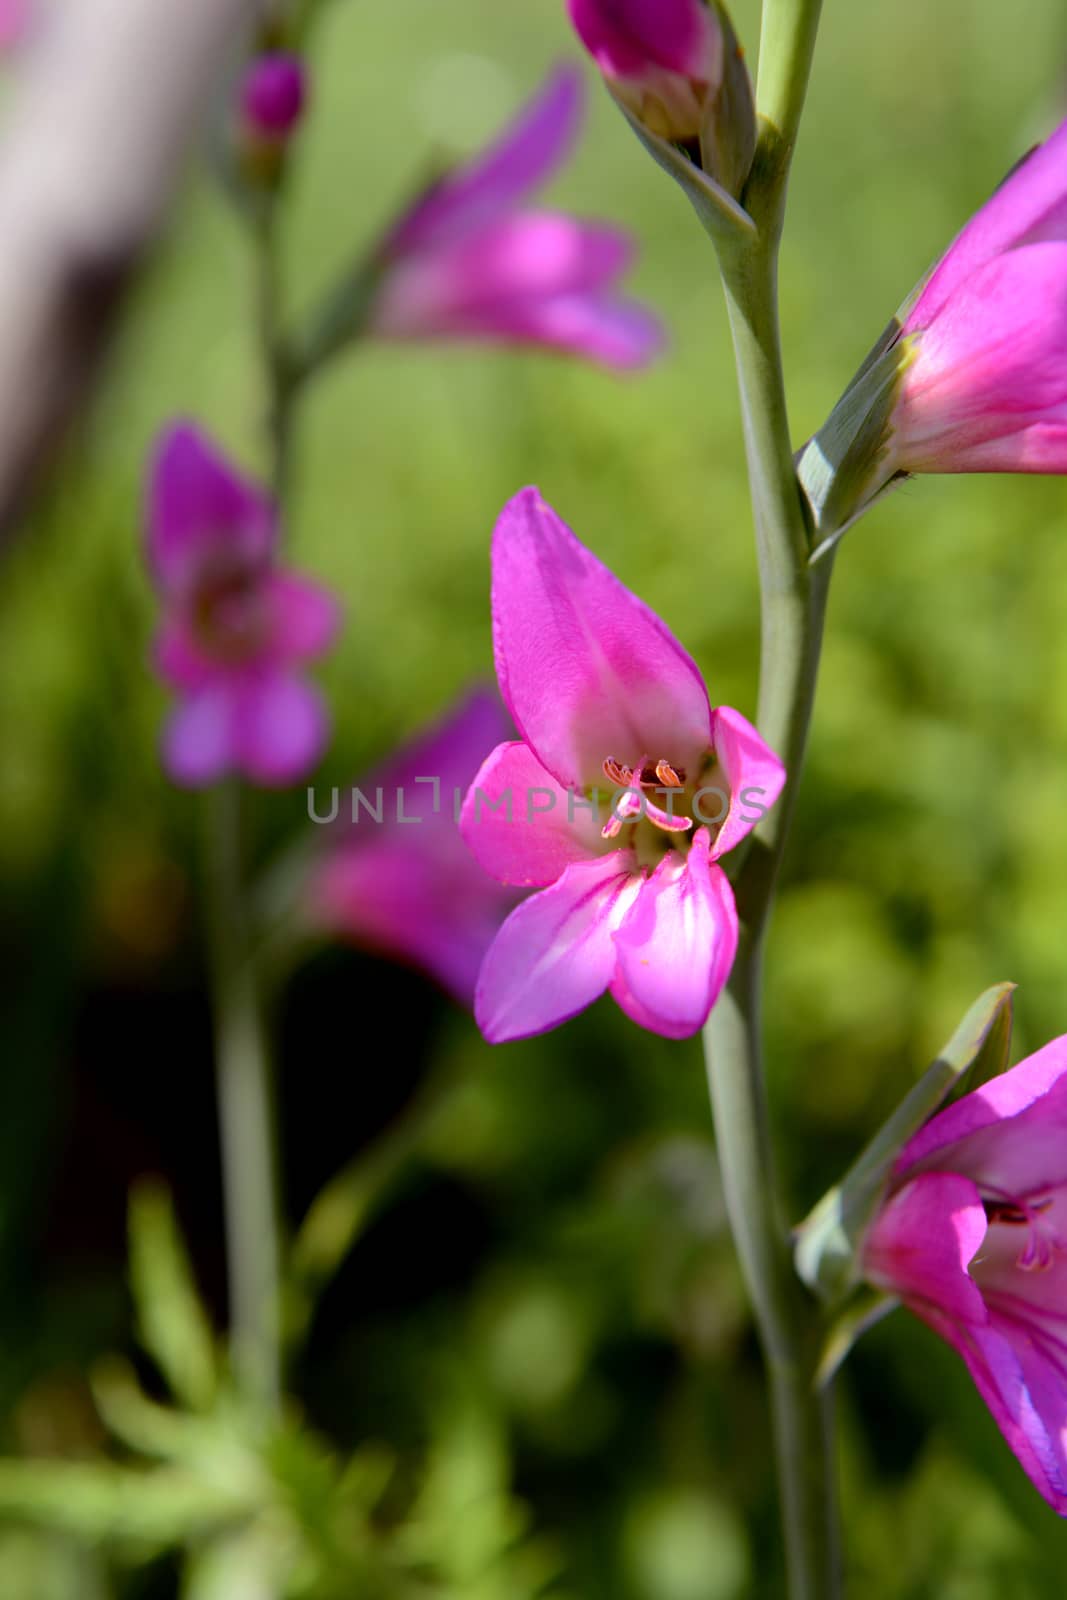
(668, 776)
(618, 773)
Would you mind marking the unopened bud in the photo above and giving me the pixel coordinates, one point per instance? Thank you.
(676, 66)
(272, 101)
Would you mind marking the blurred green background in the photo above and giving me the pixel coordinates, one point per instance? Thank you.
(542, 1323)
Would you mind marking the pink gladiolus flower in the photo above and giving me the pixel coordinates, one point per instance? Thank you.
(985, 384)
(407, 886)
(273, 96)
(973, 1238)
(14, 22)
(615, 724)
(235, 626)
(468, 262)
(663, 58)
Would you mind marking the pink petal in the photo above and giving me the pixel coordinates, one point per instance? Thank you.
(923, 1241)
(677, 944)
(555, 954)
(1027, 1396)
(990, 368)
(281, 729)
(520, 160)
(198, 506)
(626, 37)
(587, 670)
(16, 17)
(306, 617)
(178, 658)
(521, 825)
(1011, 1133)
(199, 745)
(534, 279)
(752, 772)
(621, 334)
(926, 1237)
(1031, 205)
(531, 256)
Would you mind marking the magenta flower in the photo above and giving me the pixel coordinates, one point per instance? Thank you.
(619, 799)
(235, 626)
(662, 58)
(468, 262)
(973, 1238)
(15, 19)
(273, 96)
(406, 885)
(984, 388)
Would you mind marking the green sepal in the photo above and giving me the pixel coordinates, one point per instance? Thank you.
(829, 1239)
(721, 215)
(728, 137)
(846, 466)
(863, 1311)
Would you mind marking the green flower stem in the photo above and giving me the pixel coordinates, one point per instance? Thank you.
(246, 1121)
(280, 385)
(243, 1067)
(793, 602)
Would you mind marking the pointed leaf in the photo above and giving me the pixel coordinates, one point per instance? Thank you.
(99, 1501)
(862, 1313)
(828, 1239)
(174, 1327)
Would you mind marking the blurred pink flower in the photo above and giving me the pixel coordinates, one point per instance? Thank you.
(409, 887)
(662, 58)
(15, 18)
(984, 385)
(273, 96)
(603, 694)
(235, 626)
(467, 262)
(973, 1238)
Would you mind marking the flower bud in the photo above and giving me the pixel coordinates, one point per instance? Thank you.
(676, 66)
(273, 96)
(971, 375)
(272, 100)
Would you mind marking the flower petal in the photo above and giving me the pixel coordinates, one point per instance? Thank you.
(281, 728)
(198, 506)
(1030, 205)
(677, 944)
(618, 333)
(922, 1242)
(521, 825)
(991, 368)
(518, 162)
(555, 953)
(306, 617)
(474, 284)
(199, 741)
(1027, 1395)
(626, 37)
(1010, 1134)
(753, 774)
(587, 670)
